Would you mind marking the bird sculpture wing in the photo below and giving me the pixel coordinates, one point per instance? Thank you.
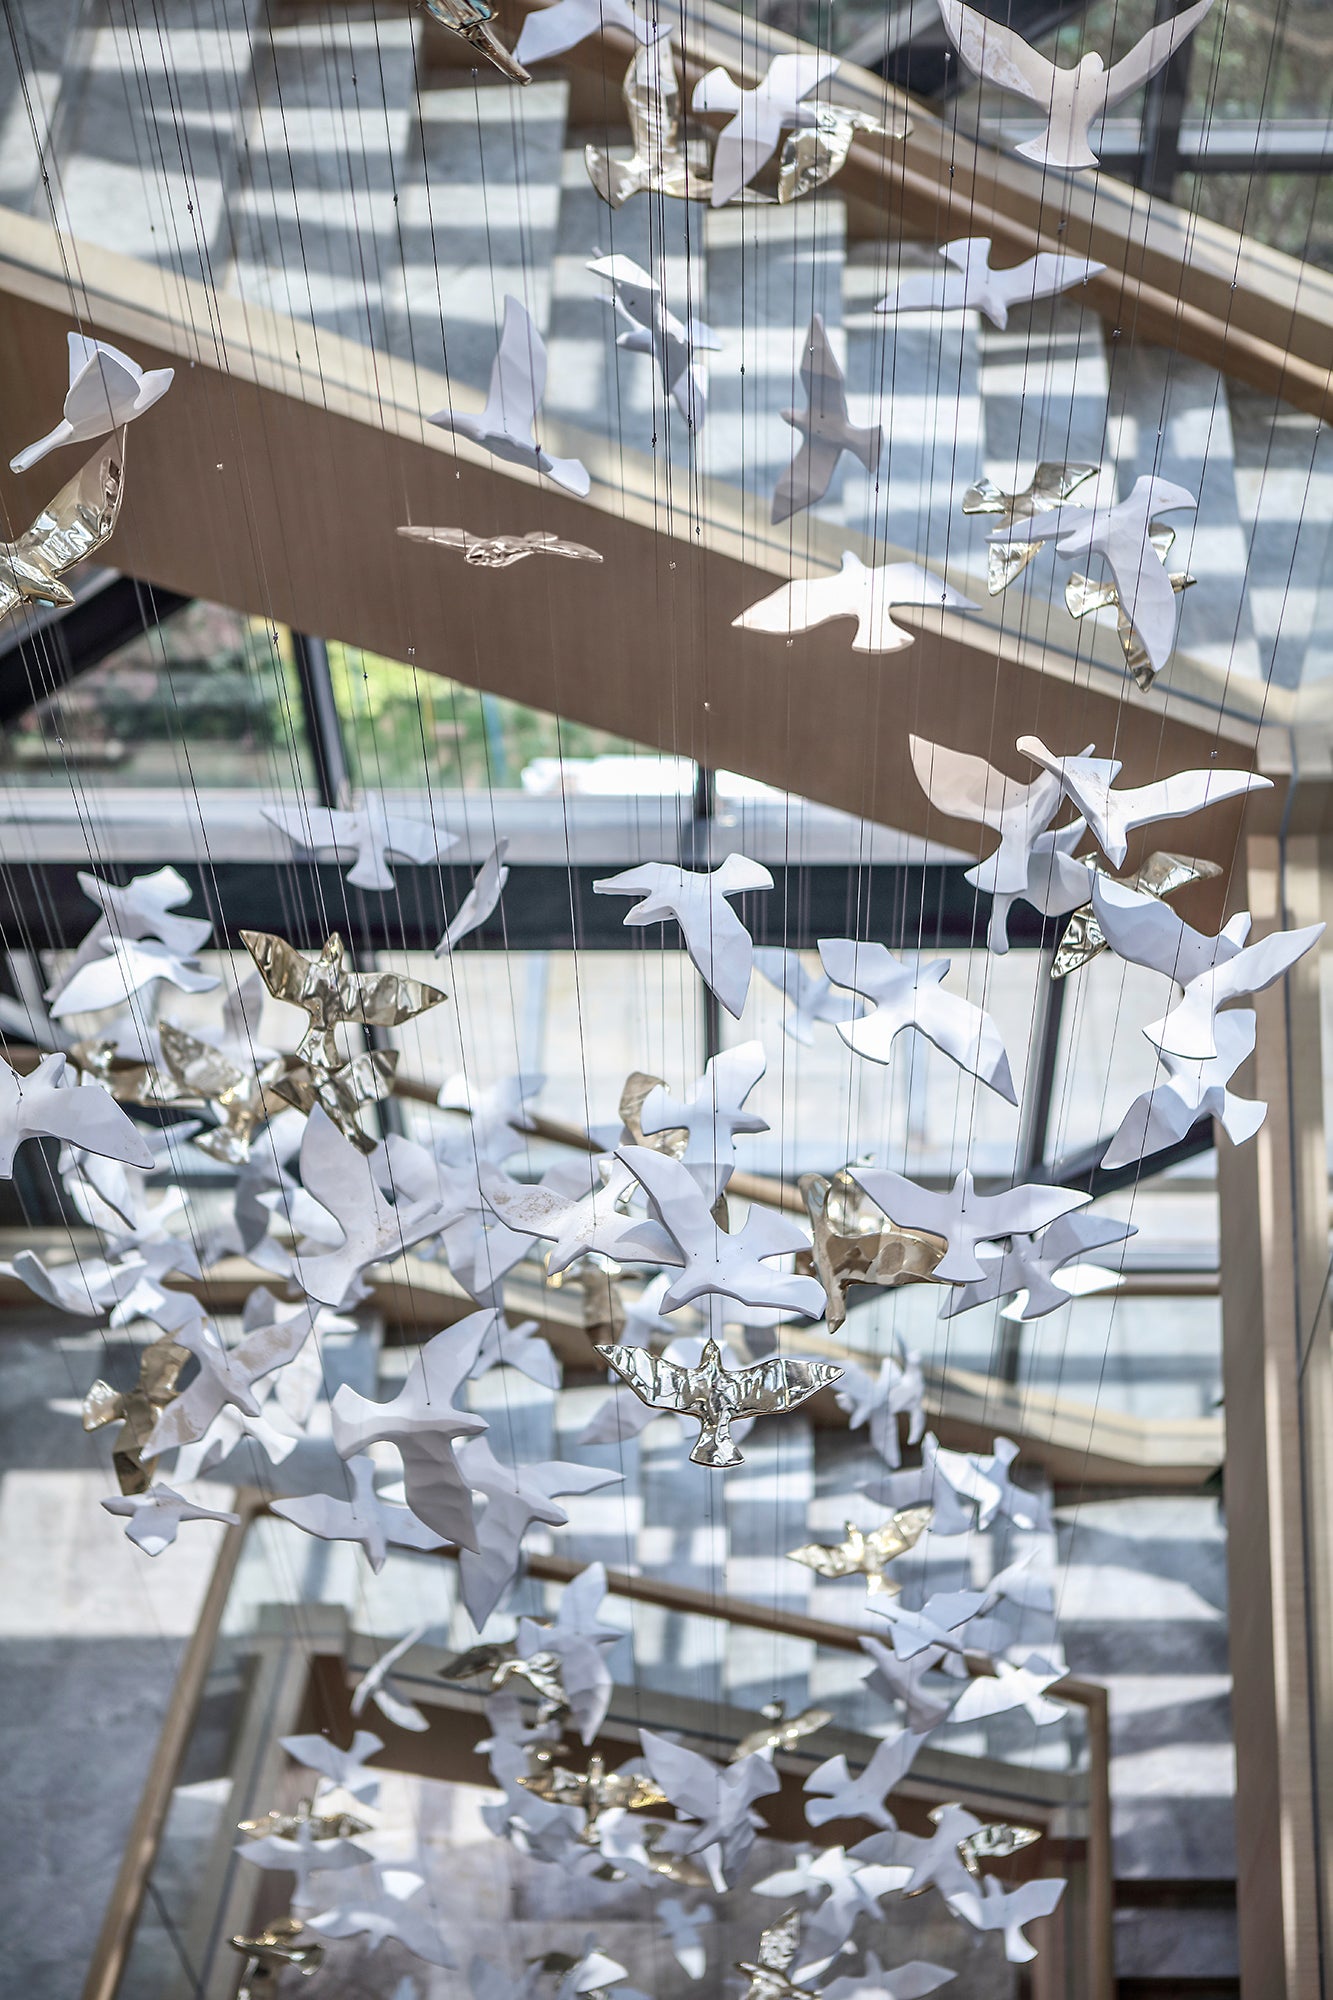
(481, 899)
(831, 1562)
(518, 378)
(999, 54)
(779, 1385)
(660, 1383)
(1041, 277)
(943, 289)
(806, 479)
(1144, 930)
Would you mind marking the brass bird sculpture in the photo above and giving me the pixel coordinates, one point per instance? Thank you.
(279, 1825)
(716, 1397)
(243, 1100)
(780, 1731)
(329, 994)
(270, 1952)
(499, 1664)
(472, 20)
(1083, 594)
(660, 163)
(75, 525)
(767, 1972)
(994, 1842)
(865, 1554)
(854, 1244)
(1161, 875)
(593, 1791)
(499, 551)
(137, 1411)
(1050, 486)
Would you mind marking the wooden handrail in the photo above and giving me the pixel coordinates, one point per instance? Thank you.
(116, 1935)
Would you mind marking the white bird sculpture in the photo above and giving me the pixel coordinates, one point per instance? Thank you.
(719, 1796)
(1069, 99)
(729, 1263)
(516, 1496)
(1112, 815)
(227, 1375)
(1209, 970)
(963, 1217)
(373, 835)
(652, 329)
(106, 391)
(155, 1516)
(425, 1424)
(1189, 1091)
(365, 1518)
(1031, 1265)
(717, 941)
(506, 425)
(552, 31)
(832, 1793)
(825, 428)
(1121, 533)
(811, 995)
(937, 1624)
(486, 891)
(974, 283)
(49, 1103)
(712, 1114)
(870, 596)
(751, 134)
(992, 1908)
(912, 996)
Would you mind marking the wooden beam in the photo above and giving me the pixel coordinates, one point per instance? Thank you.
(1171, 277)
(1274, 1237)
(274, 477)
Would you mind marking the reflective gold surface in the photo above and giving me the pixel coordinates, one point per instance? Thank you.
(867, 1555)
(855, 1245)
(593, 1791)
(1162, 874)
(499, 551)
(781, 1731)
(136, 1410)
(75, 525)
(472, 20)
(1083, 595)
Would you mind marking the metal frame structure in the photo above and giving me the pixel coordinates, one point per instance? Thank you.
(343, 453)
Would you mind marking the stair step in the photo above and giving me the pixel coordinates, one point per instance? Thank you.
(1176, 1937)
(769, 269)
(1170, 416)
(1284, 484)
(315, 219)
(479, 210)
(147, 131)
(592, 382)
(924, 370)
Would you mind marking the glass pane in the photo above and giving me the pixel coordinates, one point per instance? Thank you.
(208, 698)
(583, 1020)
(400, 724)
(1255, 60)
